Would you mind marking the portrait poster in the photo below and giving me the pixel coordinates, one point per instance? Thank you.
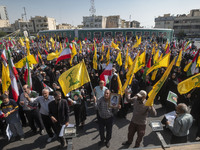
(114, 100)
(172, 97)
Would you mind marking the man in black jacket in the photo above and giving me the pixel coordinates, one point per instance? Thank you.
(59, 113)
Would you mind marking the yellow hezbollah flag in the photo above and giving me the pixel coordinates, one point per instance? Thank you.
(119, 85)
(47, 45)
(129, 76)
(126, 59)
(108, 57)
(95, 57)
(80, 47)
(119, 58)
(74, 52)
(139, 41)
(22, 62)
(61, 47)
(153, 51)
(153, 77)
(39, 55)
(178, 62)
(198, 62)
(52, 43)
(115, 46)
(53, 55)
(166, 45)
(164, 62)
(74, 78)
(102, 48)
(156, 88)
(21, 42)
(130, 61)
(101, 57)
(5, 78)
(189, 84)
(156, 56)
(131, 69)
(140, 62)
(187, 66)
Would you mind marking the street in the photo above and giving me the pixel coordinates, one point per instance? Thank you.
(88, 137)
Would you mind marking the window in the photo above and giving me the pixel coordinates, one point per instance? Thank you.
(108, 34)
(138, 33)
(88, 35)
(97, 35)
(129, 34)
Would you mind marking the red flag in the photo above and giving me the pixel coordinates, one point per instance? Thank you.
(167, 51)
(93, 48)
(46, 52)
(149, 63)
(85, 39)
(66, 40)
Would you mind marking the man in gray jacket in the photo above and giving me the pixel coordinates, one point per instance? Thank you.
(138, 121)
(182, 124)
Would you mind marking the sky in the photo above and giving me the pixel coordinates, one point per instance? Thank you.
(72, 11)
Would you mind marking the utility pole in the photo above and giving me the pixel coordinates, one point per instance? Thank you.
(24, 15)
(92, 11)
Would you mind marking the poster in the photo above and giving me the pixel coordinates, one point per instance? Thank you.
(172, 97)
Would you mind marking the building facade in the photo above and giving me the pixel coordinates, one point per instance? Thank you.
(135, 24)
(166, 22)
(94, 22)
(64, 26)
(188, 25)
(23, 25)
(3, 13)
(108, 22)
(113, 22)
(43, 23)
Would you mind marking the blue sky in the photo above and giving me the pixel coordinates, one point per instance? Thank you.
(72, 11)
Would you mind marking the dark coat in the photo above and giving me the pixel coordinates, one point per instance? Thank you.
(61, 113)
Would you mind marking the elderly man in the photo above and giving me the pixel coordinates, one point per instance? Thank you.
(44, 100)
(182, 124)
(31, 111)
(99, 90)
(138, 121)
(105, 118)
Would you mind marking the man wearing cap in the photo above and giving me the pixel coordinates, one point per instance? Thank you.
(138, 121)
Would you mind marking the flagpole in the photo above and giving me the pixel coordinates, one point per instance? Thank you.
(92, 89)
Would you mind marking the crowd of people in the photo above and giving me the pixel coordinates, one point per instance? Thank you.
(44, 106)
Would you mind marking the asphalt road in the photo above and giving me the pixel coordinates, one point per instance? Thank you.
(88, 137)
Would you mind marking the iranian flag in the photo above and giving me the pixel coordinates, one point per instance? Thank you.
(27, 75)
(106, 73)
(66, 53)
(188, 46)
(4, 58)
(191, 67)
(13, 77)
